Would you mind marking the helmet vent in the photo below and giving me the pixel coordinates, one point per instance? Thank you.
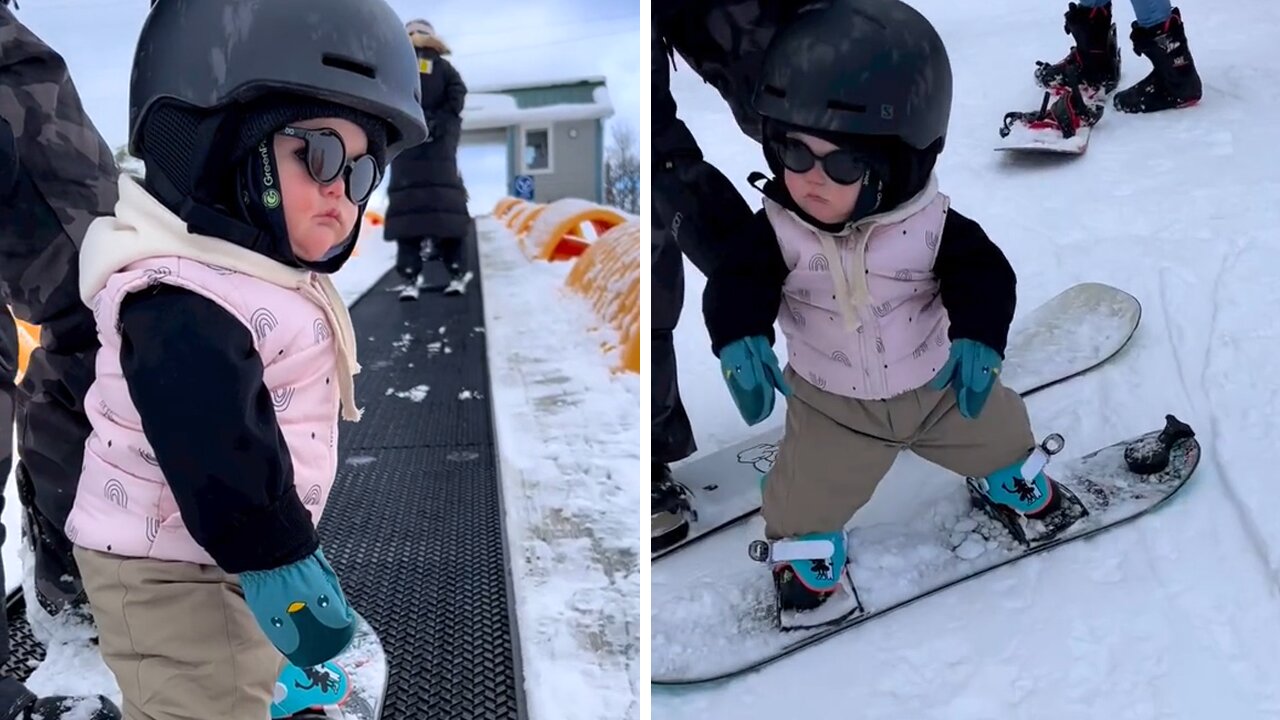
(348, 65)
(775, 91)
(846, 107)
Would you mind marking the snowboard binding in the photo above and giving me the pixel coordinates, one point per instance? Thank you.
(1064, 112)
(1062, 510)
(812, 584)
(1151, 456)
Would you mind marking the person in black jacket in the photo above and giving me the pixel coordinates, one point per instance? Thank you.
(56, 176)
(696, 211)
(428, 200)
(896, 307)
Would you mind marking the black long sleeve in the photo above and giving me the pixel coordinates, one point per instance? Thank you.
(977, 283)
(197, 383)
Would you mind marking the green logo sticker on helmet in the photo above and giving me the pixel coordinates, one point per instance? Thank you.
(271, 199)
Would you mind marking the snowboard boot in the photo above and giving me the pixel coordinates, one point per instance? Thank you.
(811, 579)
(1030, 497)
(411, 289)
(1031, 505)
(1095, 58)
(805, 584)
(457, 282)
(409, 266)
(19, 703)
(1173, 81)
(669, 502)
(300, 689)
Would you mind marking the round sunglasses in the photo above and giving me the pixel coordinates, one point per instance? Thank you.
(325, 156)
(842, 165)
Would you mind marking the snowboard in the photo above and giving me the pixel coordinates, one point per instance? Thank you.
(1062, 125)
(1068, 335)
(723, 621)
(350, 687)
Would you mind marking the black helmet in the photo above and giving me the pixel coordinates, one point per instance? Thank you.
(859, 67)
(209, 54)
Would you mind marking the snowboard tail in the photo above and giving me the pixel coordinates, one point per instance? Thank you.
(721, 623)
(1068, 335)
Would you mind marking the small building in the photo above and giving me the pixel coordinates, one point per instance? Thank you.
(553, 132)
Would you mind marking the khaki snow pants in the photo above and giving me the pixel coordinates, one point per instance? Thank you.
(179, 639)
(837, 449)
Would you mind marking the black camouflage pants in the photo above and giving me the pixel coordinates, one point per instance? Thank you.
(670, 430)
(59, 176)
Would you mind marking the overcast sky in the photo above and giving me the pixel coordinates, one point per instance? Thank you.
(493, 42)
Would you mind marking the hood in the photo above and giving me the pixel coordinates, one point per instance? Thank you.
(142, 227)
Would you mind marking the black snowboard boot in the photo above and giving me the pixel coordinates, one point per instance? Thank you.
(670, 507)
(19, 703)
(1095, 58)
(1173, 81)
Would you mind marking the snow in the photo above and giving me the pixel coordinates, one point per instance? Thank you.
(1174, 616)
(491, 110)
(568, 435)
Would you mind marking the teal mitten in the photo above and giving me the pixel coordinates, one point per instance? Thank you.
(751, 371)
(302, 610)
(971, 369)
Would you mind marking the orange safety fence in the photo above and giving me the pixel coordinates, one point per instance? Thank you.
(604, 245)
(556, 231)
(608, 275)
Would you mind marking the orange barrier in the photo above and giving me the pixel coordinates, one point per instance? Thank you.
(604, 244)
(521, 219)
(608, 275)
(560, 231)
(505, 205)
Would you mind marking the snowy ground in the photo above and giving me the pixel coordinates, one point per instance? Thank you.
(569, 440)
(1177, 615)
(568, 432)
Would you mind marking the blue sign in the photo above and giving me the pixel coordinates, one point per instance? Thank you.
(524, 187)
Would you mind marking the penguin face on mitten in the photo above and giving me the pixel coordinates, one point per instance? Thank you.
(307, 629)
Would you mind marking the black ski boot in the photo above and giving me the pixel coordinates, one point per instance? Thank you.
(1095, 58)
(1173, 81)
(19, 703)
(669, 503)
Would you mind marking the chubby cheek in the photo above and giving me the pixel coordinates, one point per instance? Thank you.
(349, 212)
(843, 198)
(795, 187)
(299, 197)
(836, 203)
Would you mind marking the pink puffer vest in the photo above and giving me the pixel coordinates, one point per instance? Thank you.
(123, 504)
(861, 311)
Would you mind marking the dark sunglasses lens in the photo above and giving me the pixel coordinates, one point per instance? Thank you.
(796, 156)
(844, 167)
(362, 179)
(325, 154)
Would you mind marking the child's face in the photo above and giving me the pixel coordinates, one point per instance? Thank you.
(318, 217)
(818, 195)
